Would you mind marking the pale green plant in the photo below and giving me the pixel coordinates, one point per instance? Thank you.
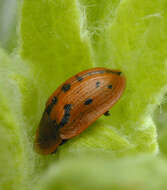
(55, 40)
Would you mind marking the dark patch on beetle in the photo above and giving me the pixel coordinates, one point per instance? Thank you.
(44, 137)
(54, 100)
(49, 109)
(64, 120)
(50, 106)
(66, 87)
(67, 108)
(66, 116)
(107, 113)
(110, 86)
(97, 84)
(79, 78)
(88, 101)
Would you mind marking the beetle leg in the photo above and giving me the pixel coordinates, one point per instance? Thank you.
(107, 113)
(64, 141)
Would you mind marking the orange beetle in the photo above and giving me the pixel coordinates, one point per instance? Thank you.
(76, 104)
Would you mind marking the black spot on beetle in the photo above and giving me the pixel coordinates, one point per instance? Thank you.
(54, 100)
(50, 106)
(48, 109)
(79, 78)
(67, 108)
(107, 113)
(66, 116)
(97, 84)
(88, 101)
(110, 86)
(64, 120)
(66, 87)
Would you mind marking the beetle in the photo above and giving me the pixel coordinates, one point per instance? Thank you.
(76, 104)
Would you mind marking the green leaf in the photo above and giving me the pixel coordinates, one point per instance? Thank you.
(52, 41)
(12, 161)
(8, 19)
(160, 118)
(143, 172)
(98, 16)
